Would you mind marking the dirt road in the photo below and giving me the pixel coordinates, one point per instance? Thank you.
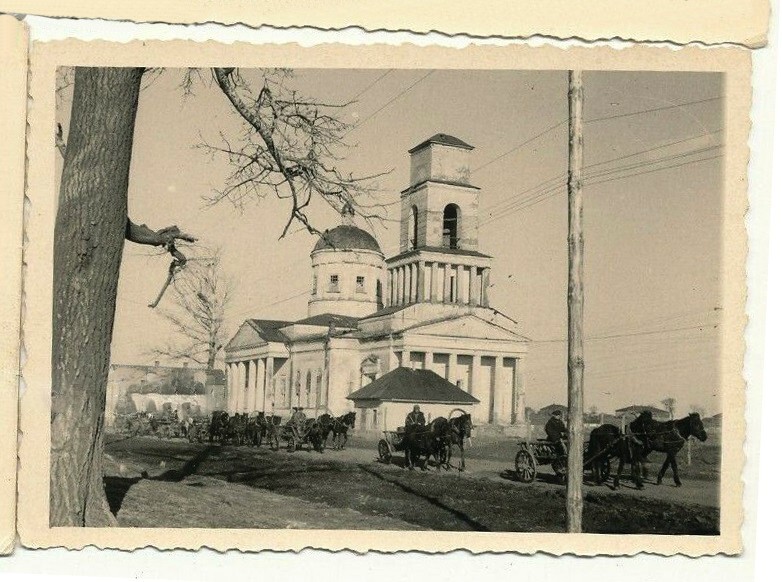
(355, 491)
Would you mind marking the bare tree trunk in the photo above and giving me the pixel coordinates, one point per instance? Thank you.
(89, 234)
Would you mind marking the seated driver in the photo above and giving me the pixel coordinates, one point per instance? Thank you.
(556, 431)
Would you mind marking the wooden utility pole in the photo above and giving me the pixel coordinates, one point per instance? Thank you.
(575, 304)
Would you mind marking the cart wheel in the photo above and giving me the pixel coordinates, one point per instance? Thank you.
(384, 451)
(560, 470)
(526, 466)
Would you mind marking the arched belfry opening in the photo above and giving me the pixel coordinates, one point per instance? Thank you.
(413, 227)
(451, 215)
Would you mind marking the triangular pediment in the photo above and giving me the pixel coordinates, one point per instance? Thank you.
(466, 326)
(246, 337)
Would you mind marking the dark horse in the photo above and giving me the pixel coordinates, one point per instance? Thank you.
(426, 441)
(667, 437)
(218, 427)
(339, 429)
(607, 442)
(459, 429)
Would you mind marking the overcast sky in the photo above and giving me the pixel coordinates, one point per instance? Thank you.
(652, 221)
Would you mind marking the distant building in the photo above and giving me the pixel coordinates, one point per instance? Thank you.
(139, 388)
(425, 308)
(384, 403)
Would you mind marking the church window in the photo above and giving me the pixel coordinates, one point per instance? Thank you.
(360, 285)
(451, 226)
(314, 283)
(374, 418)
(413, 227)
(334, 284)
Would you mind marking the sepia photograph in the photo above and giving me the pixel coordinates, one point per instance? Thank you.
(395, 298)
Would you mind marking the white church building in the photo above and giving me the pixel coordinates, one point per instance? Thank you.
(427, 307)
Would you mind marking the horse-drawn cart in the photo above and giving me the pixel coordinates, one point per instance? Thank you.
(534, 454)
(390, 443)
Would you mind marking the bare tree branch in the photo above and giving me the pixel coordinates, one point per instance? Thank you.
(290, 149)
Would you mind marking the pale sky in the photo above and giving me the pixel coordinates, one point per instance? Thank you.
(651, 237)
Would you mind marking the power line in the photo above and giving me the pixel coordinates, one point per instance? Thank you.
(278, 302)
(372, 84)
(563, 176)
(654, 110)
(632, 334)
(509, 207)
(390, 102)
(596, 120)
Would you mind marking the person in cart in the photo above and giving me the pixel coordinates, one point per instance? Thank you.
(298, 418)
(556, 432)
(415, 420)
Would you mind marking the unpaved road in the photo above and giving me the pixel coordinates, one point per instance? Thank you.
(191, 485)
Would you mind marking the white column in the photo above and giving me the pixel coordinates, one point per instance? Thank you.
(241, 393)
(446, 283)
(270, 394)
(421, 292)
(405, 285)
(415, 274)
(518, 416)
(475, 367)
(388, 294)
(493, 393)
(399, 285)
(231, 387)
(485, 282)
(428, 360)
(473, 289)
(253, 386)
(451, 372)
(238, 385)
(260, 387)
(457, 283)
(504, 392)
(433, 282)
(405, 358)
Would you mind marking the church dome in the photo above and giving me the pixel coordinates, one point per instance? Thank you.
(347, 237)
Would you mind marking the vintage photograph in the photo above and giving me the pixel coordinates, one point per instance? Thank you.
(332, 294)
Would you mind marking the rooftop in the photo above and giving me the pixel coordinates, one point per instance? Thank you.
(347, 237)
(442, 139)
(408, 385)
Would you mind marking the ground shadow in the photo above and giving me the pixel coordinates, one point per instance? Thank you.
(117, 487)
(460, 515)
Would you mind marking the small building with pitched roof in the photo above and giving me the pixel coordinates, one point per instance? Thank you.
(426, 308)
(384, 403)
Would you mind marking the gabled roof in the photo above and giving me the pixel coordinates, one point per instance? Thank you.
(325, 319)
(408, 385)
(442, 139)
(269, 329)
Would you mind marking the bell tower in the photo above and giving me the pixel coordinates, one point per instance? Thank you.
(439, 260)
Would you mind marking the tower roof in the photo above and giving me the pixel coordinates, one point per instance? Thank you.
(442, 139)
(347, 237)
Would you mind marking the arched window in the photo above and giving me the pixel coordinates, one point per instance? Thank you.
(412, 229)
(309, 389)
(451, 215)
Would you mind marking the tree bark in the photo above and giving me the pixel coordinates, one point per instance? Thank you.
(89, 234)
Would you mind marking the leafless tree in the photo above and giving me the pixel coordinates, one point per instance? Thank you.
(196, 313)
(289, 148)
(670, 405)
